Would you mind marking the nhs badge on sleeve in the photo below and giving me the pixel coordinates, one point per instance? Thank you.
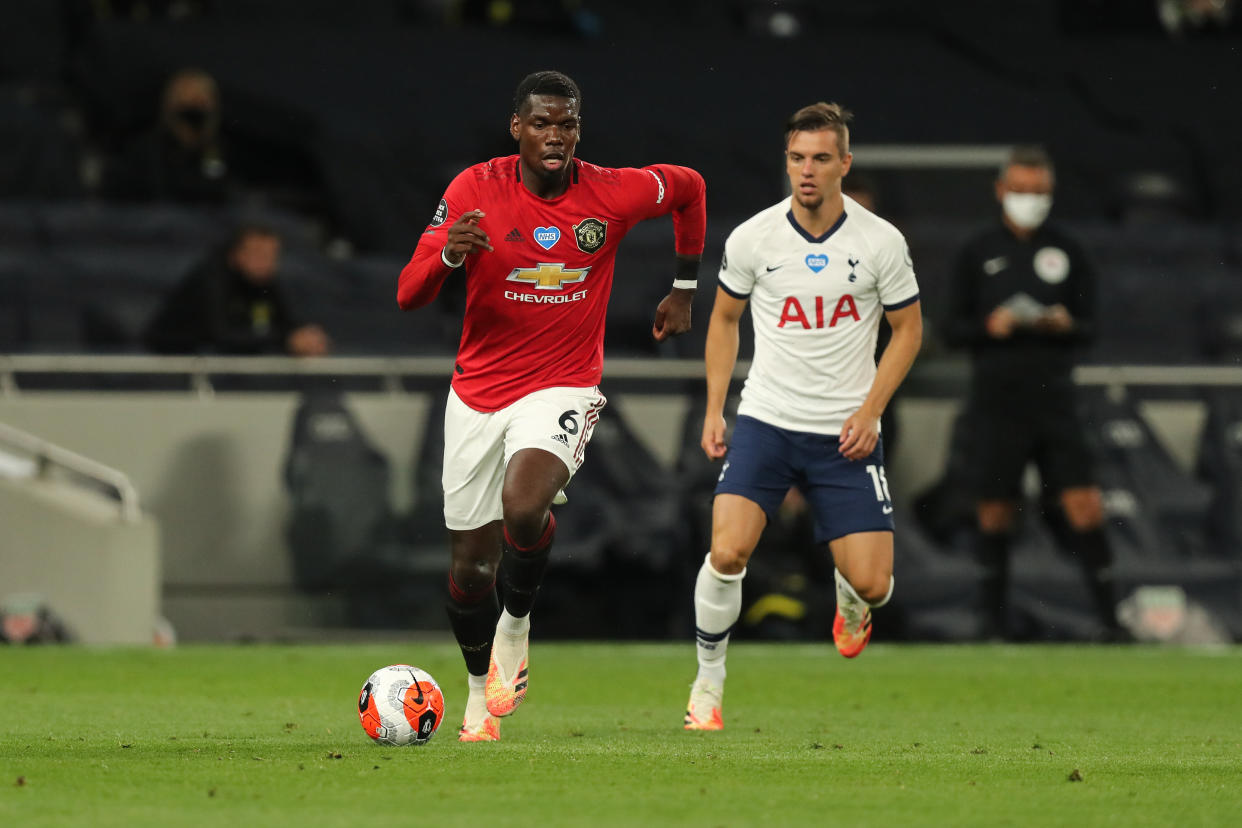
(545, 237)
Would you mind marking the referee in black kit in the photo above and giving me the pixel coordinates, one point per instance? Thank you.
(1022, 298)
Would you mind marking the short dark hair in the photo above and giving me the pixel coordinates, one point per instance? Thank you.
(819, 116)
(547, 82)
(246, 229)
(1028, 155)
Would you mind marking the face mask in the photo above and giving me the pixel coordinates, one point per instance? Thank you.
(1027, 210)
(195, 117)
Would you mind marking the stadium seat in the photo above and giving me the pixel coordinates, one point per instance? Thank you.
(356, 302)
(937, 595)
(340, 526)
(39, 157)
(1154, 509)
(620, 541)
(1220, 466)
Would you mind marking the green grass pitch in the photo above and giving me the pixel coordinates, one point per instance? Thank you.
(904, 735)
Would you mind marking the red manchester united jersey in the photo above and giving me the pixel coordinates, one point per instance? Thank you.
(536, 303)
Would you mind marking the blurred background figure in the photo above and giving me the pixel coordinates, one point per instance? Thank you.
(1183, 17)
(861, 187)
(233, 303)
(1023, 300)
(182, 158)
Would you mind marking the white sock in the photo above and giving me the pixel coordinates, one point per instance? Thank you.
(476, 701)
(891, 583)
(513, 626)
(851, 604)
(717, 605)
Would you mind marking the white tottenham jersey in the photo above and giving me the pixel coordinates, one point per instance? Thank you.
(816, 305)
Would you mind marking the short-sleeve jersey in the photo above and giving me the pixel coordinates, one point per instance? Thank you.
(536, 303)
(816, 304)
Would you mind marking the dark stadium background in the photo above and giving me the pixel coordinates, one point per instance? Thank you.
(363, 111)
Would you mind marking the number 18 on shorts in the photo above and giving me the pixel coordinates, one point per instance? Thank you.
(846, 496)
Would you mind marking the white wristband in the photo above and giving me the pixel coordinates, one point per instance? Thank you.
(685, 284)
(444, 258)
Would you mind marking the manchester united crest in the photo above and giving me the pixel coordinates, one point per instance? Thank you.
(590, 234)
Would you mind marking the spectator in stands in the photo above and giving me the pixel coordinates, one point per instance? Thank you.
(860, 187)
(183, 158)
(233, 303)
(1022, 298)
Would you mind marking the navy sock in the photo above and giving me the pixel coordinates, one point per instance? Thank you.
(1095, 557)
(994, 555)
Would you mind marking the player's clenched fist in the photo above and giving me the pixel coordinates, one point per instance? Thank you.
(673, 315)
(713, 442)
(465, 237)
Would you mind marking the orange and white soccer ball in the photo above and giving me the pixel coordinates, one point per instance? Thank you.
(401, 705)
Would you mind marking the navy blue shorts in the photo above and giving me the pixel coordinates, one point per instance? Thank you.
(846, 496)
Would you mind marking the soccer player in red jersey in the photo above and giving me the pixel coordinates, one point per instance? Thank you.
(535, 237)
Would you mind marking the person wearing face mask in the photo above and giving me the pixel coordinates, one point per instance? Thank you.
(183, 158)
(1022, 298)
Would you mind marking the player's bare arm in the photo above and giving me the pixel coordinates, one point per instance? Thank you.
(721, 358)
(466, 237)
(673, 313)
(861, 430)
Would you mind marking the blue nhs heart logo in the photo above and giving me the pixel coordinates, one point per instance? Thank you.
(545, 237)
(817, 262)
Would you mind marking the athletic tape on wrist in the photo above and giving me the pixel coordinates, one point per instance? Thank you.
(685, 284)
(444, 258)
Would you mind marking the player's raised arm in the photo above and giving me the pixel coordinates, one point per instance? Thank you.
(682, 192)
(667, 188)
(454, 234)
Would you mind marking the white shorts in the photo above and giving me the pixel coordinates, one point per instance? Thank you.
(478, 446)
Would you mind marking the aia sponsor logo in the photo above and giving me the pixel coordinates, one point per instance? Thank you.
(793, 313)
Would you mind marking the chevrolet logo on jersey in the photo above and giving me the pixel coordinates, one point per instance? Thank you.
(549, 276)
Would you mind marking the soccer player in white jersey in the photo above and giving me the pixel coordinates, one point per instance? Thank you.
(818, 270)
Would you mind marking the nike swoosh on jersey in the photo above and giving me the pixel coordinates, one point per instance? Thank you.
(778, 267)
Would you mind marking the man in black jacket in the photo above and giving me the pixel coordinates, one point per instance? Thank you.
(1023, 299)
(233, 303)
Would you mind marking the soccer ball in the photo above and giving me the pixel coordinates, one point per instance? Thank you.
(401, 705)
